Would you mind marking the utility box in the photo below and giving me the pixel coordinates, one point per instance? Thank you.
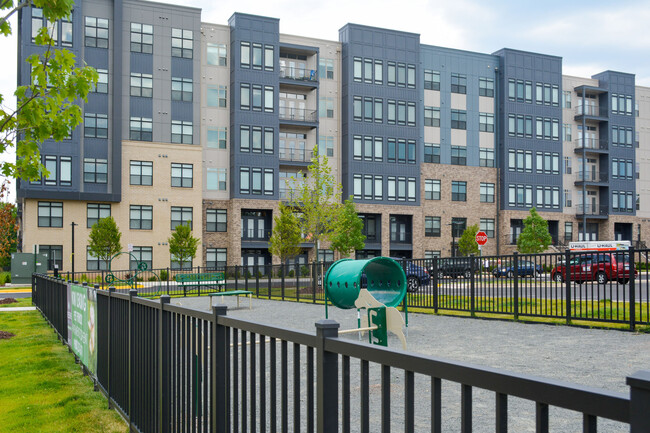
(23, 265)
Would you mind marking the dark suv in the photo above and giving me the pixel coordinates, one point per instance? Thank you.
(600, 267)
(455, 267)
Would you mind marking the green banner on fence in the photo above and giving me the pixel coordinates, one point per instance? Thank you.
(82, 319)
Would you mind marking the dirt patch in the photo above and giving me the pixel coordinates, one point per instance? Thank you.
(4, 335)
(7, 301)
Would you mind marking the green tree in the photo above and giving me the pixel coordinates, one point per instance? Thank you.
(8, 228)
(534, 238)
(286, 237)
(467, 243)
(104, 239)
(47, 107)
(347, 235)
(318, 197)
(182, 245)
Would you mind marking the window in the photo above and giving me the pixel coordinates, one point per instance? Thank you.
(326, 68)
(93, 263)
(379, 110)
(401, 75)
(431, 80)
(216, 258)
(181, 132)
(95, 212)
(567, 132)
(217, 55)
(458, 226)
(268, 99)
(216, 220)
(51, 163)
(391, 74)
(245, 54)
(410, 76)
(66, 31)
(182, 89)
(182, 43)
(95, 125)
(486, 157)
(568, 231)
(38, 21)
(486, 87)
(431, 116)
(458, 155)
(367, 70)
(140, 129)
(140, 217)
(567, 165)
(458, 119)
(142, 85)
(431, 226)
(432, 153)
(181, 216)
(50, 214)
(218, 137)
(379, 72)
(326, 107)
(216, 179)
(141, 38)
(217, 96)
(257, 56)
(102, 81)
(566, 99)
(487, 226)
(432, 189)
(182, 175)
(428, 254)
(486, 122)
(96, 32)
(459, 83)
(95, 170)
(567, 198)
(141, 173)
(487, 192)
(458, 191)
(326, 142)
(141, 255)
(65, 179)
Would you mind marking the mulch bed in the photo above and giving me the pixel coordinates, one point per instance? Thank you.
(4, 335)
(7, 301)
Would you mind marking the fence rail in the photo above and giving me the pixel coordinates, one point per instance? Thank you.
(172, 369)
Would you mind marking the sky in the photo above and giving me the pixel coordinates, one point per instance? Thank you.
(590, 36)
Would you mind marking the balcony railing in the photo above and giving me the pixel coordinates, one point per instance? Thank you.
(255, 234)
(591, 143)
(299, 74)
(288, 194)
(299, 155)
(401, 237)
(591, 110)
(591, 176)
(590, 209)
(299, 114)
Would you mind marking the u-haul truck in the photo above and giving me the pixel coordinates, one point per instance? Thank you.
(600, 246)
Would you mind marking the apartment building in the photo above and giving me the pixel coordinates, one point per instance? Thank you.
(209, 123)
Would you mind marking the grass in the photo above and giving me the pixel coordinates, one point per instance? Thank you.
(22, 302)
(41, 387)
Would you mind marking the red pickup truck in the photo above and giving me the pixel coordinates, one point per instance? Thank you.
(598, 266)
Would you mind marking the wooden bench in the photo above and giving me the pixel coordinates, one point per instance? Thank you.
(237, 293)
(212, 279)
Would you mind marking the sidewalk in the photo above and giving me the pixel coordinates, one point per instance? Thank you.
(13, 309)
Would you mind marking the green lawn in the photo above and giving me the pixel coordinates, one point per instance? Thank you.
(41, 387)
(22, 302)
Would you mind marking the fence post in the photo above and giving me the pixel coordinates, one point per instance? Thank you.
(168, 278)
(567, 284)
(132, 293)
(435, 284)
(639, 384)
(111, 290)
(632, 289)
(163, 373)
(314, 280)
(327, 380)
(472, 286)
(515, 264)
(297, 281)
(219, 361)
(236, 277)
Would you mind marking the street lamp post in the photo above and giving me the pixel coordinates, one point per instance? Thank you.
(73, 224)
(453, 236)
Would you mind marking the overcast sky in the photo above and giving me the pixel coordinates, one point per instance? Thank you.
(590, 36)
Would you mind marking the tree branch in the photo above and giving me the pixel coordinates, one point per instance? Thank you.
(18, 7)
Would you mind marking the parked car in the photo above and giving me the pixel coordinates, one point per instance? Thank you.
(416, 276)
(599, 267)
(455, 267)
(526, 269)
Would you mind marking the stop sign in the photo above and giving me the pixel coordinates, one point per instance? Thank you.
(481, 238)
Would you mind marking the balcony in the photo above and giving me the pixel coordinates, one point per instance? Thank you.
(295, 155)
(302, 75)
(592, 211)
(298, 115)
(591, 145)
(288, 194)
(401, 237)
(593, 112)
(252, 234)
(591, 177)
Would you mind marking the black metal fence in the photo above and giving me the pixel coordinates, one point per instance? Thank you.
(538, 286)
(173, 369)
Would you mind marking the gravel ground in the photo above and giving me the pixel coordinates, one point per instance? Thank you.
(591, 357)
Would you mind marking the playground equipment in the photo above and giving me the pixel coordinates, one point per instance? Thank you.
(377, 285)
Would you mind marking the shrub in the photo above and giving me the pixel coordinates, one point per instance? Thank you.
(304, 271)
(153, 278)
(291, 273)
(163, 275)
(3, 278)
